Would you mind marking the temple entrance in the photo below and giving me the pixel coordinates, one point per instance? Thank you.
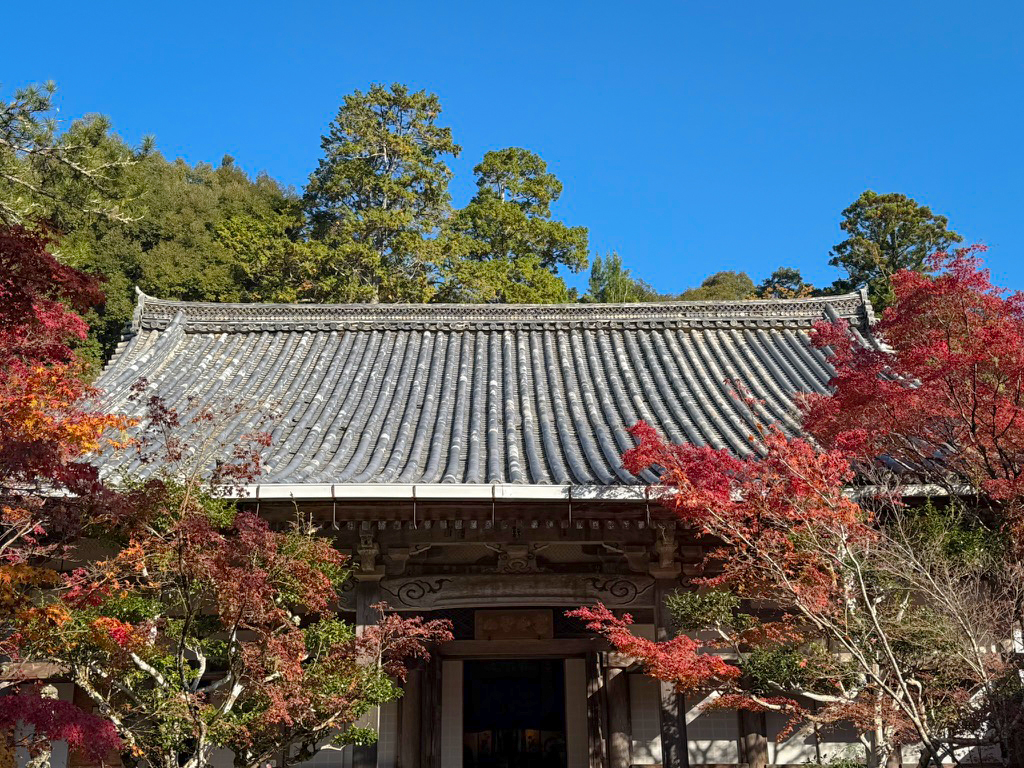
(514, 714)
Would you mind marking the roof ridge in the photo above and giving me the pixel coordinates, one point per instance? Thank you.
(154, 313)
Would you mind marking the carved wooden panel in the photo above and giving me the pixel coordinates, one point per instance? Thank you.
(514, 625)
(434, 592)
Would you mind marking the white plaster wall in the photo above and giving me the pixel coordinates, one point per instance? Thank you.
(712, 736)
(792, 749)
(645, 719)
(832, 743)
(331, 757)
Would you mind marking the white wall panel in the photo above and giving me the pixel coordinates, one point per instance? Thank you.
(645, 719)
(712, 736)
(792, 749)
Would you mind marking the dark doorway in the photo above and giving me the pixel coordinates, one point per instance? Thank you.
(514, 714)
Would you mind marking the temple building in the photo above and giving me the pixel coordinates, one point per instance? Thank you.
(468, 458)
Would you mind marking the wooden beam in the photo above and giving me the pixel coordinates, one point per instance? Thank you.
(367, 595)
(521, 649)
(674, 752)
(409, 721)
(430, 714)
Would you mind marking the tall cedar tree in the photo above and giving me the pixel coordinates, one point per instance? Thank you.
(919, 600)
(884, 235)
(504, 246)
(380, 192)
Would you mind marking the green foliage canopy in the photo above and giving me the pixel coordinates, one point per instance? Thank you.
(57, 179)
(380, 192)
(202, 233)
(504, 246)
(611, 282)
(784, 283)
(722, 286)
(887, 233)
(375, 222)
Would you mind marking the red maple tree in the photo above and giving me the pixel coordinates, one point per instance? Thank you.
(209, 628)
(198, 627)
(943, 399)
(870, 572)
(48, 430)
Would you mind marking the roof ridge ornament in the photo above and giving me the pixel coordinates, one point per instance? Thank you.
(208, 317)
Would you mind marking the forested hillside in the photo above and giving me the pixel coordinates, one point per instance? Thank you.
(375, 221)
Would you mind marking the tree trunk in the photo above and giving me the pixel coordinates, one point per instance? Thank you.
(753, 739)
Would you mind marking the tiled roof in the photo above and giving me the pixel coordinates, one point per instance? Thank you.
(378, 393)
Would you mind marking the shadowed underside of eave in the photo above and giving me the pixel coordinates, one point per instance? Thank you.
(397, 394)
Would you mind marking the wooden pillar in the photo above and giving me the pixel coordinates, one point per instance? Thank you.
(619, 732)
(430, 714)
(753, 739)
(409, 721)
(674, 753)
(596, 726)
(367, 594)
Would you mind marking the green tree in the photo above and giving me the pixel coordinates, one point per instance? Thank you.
(611, 282)
(56, 179)
(380, 192)
(887, 233)
(274, 263)
(784, 283)
(184, 242)
(504, 246)
(722, 286)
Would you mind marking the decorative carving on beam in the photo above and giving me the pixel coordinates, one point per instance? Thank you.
(347, 595)
(667, 549)
(413, 593)
(517, 558)
(367, 552)
(484, 590)
(396, 559)
(637, 557)
(619, 590)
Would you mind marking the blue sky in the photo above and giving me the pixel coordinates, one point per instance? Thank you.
(691, 137)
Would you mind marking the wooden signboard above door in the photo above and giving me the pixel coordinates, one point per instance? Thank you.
(533, 624)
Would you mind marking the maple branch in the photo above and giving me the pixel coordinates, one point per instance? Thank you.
(148, 669)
